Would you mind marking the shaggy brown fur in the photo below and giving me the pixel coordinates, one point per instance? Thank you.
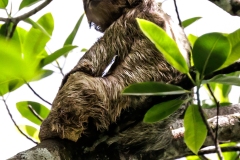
(86, 99)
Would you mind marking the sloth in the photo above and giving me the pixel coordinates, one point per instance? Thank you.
(89, 102)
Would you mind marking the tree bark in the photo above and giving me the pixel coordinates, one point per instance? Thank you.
(228, 130)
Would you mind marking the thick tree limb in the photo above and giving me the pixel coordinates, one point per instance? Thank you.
(230, 6)
(229, 126)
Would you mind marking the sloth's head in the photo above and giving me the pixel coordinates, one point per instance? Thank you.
(102, 13)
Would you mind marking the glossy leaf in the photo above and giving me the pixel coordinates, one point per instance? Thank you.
(166, 45)
(234, 39)
(162, 110)
(153, 88)
(210, 51)
(41, 110)
(224, 79)
(37, 26)
(221, 91)
(189, 21)
(71, 37)
(52, 57)
(3, 4)
(30, 131)
(27, 3)
(195, 129)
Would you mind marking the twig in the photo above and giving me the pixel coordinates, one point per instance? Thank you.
(34, 113)
(58, 66)
(37, 94)
(207, 125)
(28, 14)
(209, 151)
(216, 134)
(9, 113)
(176, 9)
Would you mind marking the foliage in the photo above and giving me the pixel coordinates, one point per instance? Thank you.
(24, 57)
(211, 52)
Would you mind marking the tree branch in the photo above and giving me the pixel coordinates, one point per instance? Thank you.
(37, 94)
(28, 14)
(229, 126)
(178, 16)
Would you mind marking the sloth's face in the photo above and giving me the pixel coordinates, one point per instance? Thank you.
(102, 13)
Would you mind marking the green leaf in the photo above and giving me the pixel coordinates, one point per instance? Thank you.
(42, 74)
(221, 91)
(13, 68)
(162, 110)
(166, 45)
(210, 51)
(41, 110)
(37, 26)
(229, 155)
(71, 37)
(84, 50)
(3, 4)
(189, 21)
(192, 39)
(224, 79)
(193, 158)
(9, 85)
(30, 131)
(36, 40)
(27, 3)
(153, 88)
(52, 57)
(234, 39)
(195, 129)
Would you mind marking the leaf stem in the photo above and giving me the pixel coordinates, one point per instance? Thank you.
(190, 77)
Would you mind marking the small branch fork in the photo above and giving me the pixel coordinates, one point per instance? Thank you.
(26, 15)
